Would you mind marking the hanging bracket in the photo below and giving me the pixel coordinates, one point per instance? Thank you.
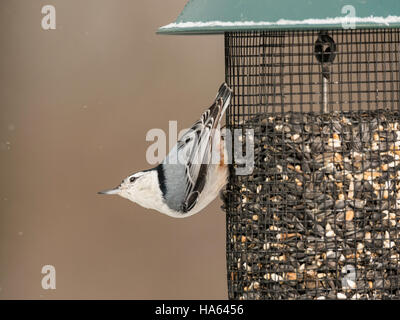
(325, 52)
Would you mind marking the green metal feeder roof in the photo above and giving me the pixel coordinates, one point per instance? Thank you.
(218, 16)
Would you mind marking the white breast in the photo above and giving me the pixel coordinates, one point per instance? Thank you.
(146, 191)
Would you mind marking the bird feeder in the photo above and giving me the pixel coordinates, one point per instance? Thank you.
(318, 82)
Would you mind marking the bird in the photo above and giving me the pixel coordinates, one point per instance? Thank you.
(190, 176)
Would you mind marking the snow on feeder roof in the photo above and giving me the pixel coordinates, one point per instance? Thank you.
(218, 16)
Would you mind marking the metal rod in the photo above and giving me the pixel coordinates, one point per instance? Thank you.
(325, 93)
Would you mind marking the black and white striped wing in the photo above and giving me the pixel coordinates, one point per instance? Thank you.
(197, 145)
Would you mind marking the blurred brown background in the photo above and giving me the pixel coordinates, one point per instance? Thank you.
(76, 104)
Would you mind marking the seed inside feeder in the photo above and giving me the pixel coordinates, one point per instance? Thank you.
(319, 199)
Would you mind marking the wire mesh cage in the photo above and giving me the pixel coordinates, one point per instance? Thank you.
(319, 217)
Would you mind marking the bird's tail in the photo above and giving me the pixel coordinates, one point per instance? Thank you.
(213, 115)
(224, 93)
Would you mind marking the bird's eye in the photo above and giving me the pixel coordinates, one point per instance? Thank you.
(132, 179)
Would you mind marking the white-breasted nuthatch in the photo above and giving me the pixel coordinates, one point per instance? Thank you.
(190, 176)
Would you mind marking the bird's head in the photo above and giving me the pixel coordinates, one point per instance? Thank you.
(133, 186)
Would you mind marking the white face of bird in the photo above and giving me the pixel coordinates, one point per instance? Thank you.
(141, 188)
(127, 187)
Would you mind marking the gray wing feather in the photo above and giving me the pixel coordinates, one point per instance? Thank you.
(192, 156)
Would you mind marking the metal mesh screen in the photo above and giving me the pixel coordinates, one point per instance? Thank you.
(319, 217)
